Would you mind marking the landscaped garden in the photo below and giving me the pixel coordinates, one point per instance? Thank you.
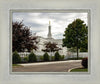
(31, 58)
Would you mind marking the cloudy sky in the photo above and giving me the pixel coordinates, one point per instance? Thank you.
(38, 22)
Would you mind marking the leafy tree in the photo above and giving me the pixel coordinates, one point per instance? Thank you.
(72, 49)
(22, 38)
(46, 57)
(84, 46)
(51, 47)
(76, 35)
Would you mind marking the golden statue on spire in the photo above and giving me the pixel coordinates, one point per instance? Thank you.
(49, 22)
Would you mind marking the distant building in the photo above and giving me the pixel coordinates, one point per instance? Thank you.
(49, 38)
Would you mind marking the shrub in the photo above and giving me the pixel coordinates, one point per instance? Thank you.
(25, 59)
(16, 58)
(57, 56)
(46, 57)
(32, 57)
(62, 57)
(41, 58)
(85, 62)
(52, 58)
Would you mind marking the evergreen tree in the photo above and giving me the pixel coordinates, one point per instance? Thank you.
(46, 57)
(32, 57)
(57, 56)
(16, 58)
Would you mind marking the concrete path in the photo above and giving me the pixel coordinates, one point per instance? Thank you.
(57, 66)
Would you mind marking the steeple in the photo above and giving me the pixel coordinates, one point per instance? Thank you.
(49, 31)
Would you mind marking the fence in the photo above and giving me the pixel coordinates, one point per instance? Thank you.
(69, 55)
(23, 54)
(74, 55)
(26, 54)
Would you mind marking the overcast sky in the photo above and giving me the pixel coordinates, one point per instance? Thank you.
(38, 22)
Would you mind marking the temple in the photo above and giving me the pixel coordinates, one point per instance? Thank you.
(49, 38)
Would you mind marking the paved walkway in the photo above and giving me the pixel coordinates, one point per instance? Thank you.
(58, 66)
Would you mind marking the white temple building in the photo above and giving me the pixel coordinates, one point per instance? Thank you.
(49, 38)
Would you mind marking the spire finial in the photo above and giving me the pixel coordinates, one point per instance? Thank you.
(49, 22)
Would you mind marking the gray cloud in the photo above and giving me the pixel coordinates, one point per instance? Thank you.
(31, 24)
(39, 21)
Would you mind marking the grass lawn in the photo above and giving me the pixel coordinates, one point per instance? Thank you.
(16, 65)
(80, 70)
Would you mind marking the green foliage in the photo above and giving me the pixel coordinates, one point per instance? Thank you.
(22, 37)
(76, 35)
(51, 47)
(83, 50)
(72, 49)
(85, 62)
(41, 58)
(62, 57)
(52, 58)
(16, 65)
(32, 57)
(57, 56)
(16, 58)
(25, 59)
(46, 57)
(79, 70)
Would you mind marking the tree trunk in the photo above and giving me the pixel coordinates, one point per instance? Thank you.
(77, 48)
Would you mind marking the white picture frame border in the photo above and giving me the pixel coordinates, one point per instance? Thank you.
(7, 78)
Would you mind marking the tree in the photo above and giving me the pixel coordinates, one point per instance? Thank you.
(22, 38)
(76, 35)
(51, 47)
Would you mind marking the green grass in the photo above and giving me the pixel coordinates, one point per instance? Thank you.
(80, 70)
(15, 65)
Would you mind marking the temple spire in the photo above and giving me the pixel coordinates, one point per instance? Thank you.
(49, 31)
